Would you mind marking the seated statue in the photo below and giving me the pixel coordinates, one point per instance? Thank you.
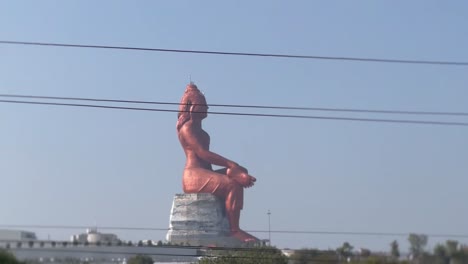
(199, 176)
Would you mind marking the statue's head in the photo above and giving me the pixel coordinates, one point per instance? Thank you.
(192, 105)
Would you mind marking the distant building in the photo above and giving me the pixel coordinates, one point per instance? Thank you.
(92, 236)
(16, 235)
(287, 252)
(90, 247)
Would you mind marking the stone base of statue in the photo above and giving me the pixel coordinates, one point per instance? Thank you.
(199, 219)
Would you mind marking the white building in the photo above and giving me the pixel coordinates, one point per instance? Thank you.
(92, 236)
(26, 247)
(16, 235)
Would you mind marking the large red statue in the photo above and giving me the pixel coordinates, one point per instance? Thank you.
(199, 176)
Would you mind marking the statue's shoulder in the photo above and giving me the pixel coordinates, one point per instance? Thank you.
(187, 129)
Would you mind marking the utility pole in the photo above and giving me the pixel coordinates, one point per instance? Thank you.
(269, 227)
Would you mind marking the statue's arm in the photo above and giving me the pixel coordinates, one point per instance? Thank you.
(191, 141)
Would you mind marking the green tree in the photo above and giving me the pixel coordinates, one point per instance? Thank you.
(417, 244)
(376, 260)
(451, 247)
(256, 255)
(306, 256)
(140, 259)
(440, 254)
(395, 250)
(456, 254)
(7, 258)
(345, 251)
(364, 253)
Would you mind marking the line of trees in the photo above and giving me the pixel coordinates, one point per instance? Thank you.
(255, 255)
(451, 252)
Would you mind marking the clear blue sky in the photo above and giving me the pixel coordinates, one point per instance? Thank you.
(76, 166)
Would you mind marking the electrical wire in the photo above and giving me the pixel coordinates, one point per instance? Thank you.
(313, 232)
(420, 122)
(202, 251)
(289, 56)
(401, 112)
(51, 244)
(228, 254)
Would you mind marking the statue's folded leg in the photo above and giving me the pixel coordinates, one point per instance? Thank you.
(205, 181)
(234, 199)
(233, 194)
(200, 180)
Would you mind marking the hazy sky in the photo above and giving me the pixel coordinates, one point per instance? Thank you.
(79, 166)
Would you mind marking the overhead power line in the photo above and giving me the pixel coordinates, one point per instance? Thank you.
(104, 248)
(311, 232)
(374, 111)
(267, 253)
(103, 251)
(271, 55)
(125, 249)
(228, 254)
(420, 122)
